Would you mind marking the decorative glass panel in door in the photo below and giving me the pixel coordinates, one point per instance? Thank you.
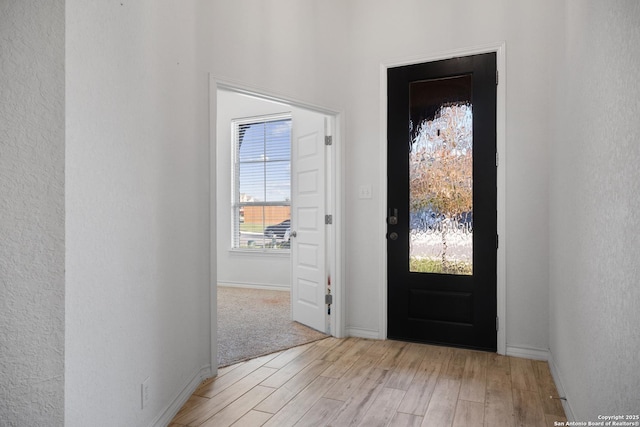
(441, 176)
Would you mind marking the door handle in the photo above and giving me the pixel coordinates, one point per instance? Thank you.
(393, 217)
(293, 233)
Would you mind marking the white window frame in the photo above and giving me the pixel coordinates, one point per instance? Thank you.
(236, 204)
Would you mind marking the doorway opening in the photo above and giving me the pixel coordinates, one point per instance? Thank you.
(274, 271)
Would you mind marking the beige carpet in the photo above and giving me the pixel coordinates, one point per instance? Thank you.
(254, 322)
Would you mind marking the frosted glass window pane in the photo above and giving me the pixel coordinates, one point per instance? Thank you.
(441, 177)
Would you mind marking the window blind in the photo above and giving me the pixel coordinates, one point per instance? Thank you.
(262, 183)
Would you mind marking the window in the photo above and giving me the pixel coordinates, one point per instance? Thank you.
(262, 183)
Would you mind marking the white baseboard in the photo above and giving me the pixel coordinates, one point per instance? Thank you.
(363, 333)
(528, 352)
(557, 379)
(255, 286)
(172, 409)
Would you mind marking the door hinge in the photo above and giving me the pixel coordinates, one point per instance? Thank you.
(328, 219)
(497, 77)
(497, 323)
(497, 159)
(328, 299)
(497, 241)
(328, 140)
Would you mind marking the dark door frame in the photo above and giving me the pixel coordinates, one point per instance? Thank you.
(499, 49)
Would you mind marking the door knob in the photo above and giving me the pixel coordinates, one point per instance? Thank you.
(293, 233)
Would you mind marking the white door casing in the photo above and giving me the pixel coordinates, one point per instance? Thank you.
(308, 229)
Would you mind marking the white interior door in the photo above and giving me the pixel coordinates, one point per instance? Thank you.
(308, 280)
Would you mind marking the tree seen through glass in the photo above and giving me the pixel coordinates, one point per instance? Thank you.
(441, 192)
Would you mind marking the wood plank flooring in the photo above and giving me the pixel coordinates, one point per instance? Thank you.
(353, 381)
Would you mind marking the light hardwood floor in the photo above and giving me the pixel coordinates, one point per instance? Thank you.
(349, 382)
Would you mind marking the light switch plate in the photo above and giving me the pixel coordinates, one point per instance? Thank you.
(365, 192)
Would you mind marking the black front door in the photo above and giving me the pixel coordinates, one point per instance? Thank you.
(441, 232)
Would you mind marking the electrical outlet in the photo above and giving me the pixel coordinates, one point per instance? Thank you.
(145, 393)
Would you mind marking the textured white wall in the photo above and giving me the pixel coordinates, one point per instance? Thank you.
(137, 181)
(595, 206)
(295, 49)
(242, 268)
(137, 202)
(31, 213)
(334, 60)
